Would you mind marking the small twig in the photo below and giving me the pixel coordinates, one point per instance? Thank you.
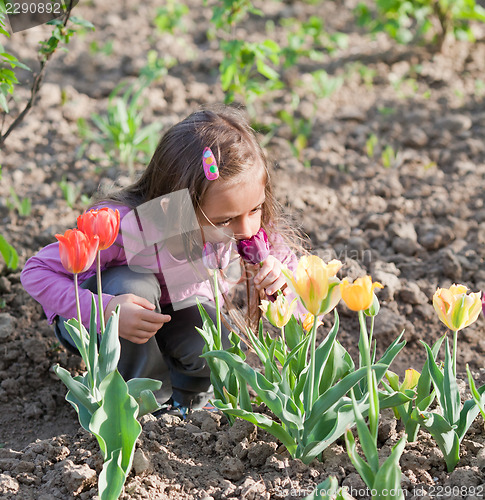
(35, 86)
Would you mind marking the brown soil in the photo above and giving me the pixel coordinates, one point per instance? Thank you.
(414, 226)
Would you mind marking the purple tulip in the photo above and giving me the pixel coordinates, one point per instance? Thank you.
(216, 255)
(255, 249)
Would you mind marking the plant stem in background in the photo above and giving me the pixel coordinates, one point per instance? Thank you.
(218, 311)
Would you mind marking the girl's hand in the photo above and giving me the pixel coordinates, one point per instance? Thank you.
(138, 321)
(270, 278)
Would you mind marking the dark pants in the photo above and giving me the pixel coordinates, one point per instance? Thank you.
(172, 355)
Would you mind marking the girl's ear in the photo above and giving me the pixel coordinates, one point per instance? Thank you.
(164, 204)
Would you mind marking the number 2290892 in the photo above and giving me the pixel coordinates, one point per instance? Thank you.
(33, 8)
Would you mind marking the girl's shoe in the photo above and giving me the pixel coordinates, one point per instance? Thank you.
(210, 407)
(171, 407)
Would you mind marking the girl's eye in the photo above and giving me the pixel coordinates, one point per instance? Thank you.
(257, 209)
(223, 223)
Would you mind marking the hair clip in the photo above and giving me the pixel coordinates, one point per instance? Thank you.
(210, 165)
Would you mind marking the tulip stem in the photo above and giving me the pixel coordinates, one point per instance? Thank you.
(312, 362)
(84, 353)
(283, 339)
(100, 292)
(78, 307)
(371, 334)
(371, 385)
(455, 345)
(218, 312)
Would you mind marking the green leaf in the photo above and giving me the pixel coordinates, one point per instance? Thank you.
(109, 348)
(4, 105)
(445, 436)
(114, 424)
(81, 22)
(322, 355)
(391, 352)
(280, 404)
(9, 253)
(467, 415)
(368, 444)
(388, 477)
(294, 333)
(331, 397)
(393, 379)
(424, 382)
(362, 467)
(243, 398)
(141, 390)
(263, 422)
(80, 391)
(83, 413)
(435, 372)
(338, 366)
(325, 490)
(112, 477)
(477, 397)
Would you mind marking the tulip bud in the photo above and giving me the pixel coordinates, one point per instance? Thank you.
(373, 309)
(255, 249)
(308, 320)
(216, 255)
(279, 312)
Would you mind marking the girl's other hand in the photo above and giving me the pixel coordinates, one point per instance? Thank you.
(270, 278)
(138, 320)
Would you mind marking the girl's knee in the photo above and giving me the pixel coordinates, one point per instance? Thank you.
(123, 279)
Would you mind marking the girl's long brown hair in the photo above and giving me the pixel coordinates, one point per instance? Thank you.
(177, 164)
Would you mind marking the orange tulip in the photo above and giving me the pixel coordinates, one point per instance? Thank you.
(359, 295)
(103, 222)
(77, 250)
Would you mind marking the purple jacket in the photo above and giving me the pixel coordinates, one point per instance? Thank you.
(46, 280)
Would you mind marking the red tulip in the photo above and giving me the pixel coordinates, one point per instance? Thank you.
(103, 222)
(77, 250)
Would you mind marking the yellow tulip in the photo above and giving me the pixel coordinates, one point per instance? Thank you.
(308, 322)
(411, 379)
(455, 308)
(279, 312)
(315, 283)
(359, 295)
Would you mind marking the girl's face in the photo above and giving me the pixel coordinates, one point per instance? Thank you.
(234, 208)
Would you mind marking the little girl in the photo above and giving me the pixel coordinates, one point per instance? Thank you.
(214, 158)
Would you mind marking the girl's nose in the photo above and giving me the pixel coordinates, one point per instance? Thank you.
(243, 230)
